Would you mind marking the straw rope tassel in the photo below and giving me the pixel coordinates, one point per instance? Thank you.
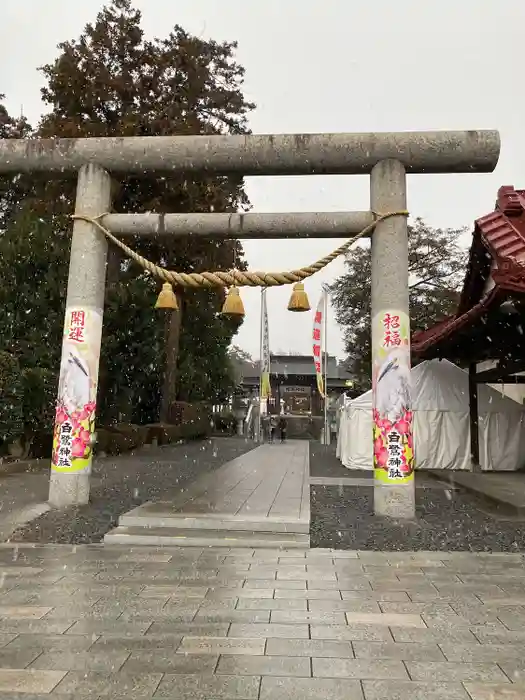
(233, 305)
(235, 278)
(298, 299)
(167, 298)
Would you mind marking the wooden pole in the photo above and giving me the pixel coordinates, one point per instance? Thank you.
(172, 343)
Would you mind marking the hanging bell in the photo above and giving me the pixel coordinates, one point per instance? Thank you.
(298, 299)
(233, 305)
(167, 298)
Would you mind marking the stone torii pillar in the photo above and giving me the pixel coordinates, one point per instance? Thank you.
(386, 157)
(394, 492)
(77, 392)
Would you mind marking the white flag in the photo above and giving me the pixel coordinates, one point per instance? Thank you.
(265, 358)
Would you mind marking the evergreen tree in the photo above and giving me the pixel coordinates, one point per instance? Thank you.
(11, 399)
(436, 263)
(113, 81)
(33, 282)
(11, 188)
(33, 278)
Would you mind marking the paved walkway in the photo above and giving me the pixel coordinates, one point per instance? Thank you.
(212, 624)
(260, 498)
(267, 482)
(224, 623)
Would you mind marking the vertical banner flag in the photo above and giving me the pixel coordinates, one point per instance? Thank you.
(265, 356)
(77, 392)
(393, 443)
(317, 344)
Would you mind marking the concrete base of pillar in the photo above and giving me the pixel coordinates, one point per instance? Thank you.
(396, 502)
(68, 490)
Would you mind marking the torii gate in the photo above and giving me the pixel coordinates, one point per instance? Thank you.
(386, 157)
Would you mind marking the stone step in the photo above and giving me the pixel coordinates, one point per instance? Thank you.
(219, 521)
(176, 537)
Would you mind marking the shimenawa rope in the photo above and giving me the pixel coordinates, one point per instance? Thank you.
(236, 278)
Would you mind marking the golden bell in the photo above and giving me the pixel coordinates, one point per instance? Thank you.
(298, 299)
(167, 298)
(233, 305)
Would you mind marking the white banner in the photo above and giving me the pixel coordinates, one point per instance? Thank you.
(265, 355)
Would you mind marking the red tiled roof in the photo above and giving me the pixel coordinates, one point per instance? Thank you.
(426, 339)
(498, 251)
(422, 336)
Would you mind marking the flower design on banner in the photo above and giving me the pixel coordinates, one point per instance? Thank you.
(72, 437)
(393, 445)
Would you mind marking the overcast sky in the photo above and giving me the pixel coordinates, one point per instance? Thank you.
(330, 66)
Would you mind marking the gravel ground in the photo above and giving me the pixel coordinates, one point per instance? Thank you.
(342, 518)
(323, 462)
(122, 483)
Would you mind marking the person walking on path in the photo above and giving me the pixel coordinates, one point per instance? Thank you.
(282, 428)
(265, 428)
(273, 427)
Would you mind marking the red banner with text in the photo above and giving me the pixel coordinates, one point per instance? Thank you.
(317, 336)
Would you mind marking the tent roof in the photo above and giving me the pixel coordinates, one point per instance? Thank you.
(440, 385)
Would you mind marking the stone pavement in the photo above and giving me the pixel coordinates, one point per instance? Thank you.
(259, 499)
(93, 621)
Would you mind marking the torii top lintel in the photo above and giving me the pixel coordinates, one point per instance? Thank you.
(259, 154)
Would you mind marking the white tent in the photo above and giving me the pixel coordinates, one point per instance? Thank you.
(440, 401)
